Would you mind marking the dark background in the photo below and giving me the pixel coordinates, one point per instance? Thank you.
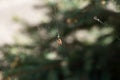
(90, 49)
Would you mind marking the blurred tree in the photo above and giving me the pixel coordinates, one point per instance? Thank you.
(90, 50)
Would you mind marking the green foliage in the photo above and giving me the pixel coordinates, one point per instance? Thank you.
(88, 49)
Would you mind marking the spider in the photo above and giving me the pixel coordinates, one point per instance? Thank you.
(59, 41)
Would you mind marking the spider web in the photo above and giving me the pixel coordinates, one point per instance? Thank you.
(56, 26)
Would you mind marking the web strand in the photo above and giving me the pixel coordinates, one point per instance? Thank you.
(56, 25)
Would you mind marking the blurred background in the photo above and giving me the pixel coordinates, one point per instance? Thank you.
(89, 30)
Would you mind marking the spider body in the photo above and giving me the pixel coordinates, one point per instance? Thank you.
(59, 41)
